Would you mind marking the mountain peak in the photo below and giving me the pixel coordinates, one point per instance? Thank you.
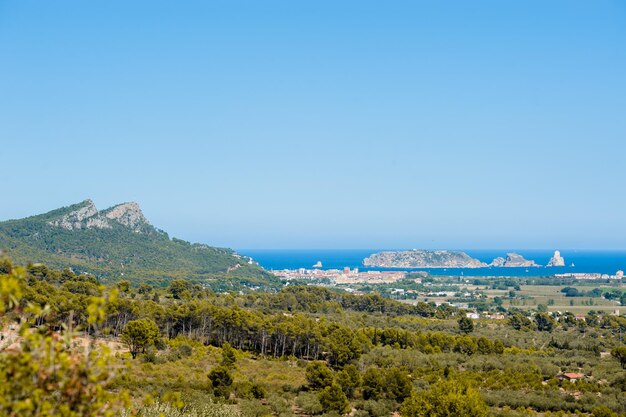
(85, 215)
(128, 214)
(87, 202)
(75, 219)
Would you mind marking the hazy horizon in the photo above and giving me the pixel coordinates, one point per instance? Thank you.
(332, 125)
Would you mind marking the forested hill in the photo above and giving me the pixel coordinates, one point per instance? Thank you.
(120, 243)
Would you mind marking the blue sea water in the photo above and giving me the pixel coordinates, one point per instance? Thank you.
(605, 262)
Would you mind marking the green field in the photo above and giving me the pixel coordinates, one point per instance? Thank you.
(532, 295)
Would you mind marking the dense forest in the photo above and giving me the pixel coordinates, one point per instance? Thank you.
(131, 348)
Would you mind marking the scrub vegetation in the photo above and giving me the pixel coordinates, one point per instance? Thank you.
(71, 347)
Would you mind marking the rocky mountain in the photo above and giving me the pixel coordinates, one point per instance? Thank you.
(117, 243)
(422, 259)
(87, 216)
(512, 260)
(556, 260)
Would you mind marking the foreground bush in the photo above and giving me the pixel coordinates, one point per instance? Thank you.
(42, 375)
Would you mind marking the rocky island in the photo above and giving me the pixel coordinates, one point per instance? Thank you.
(418, 258)
(513, 260)
(556, 260)
(422, 259)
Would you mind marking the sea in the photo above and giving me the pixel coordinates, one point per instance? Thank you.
(577, 261)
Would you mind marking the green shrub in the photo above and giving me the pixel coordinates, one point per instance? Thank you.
(221, 380)
(258, 391)
(318, 375)
(253, 408)
(309, 403)
(373, 408)
(332, 398)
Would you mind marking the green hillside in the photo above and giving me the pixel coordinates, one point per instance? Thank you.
(119, 243)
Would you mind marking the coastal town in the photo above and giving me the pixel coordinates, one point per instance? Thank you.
(342, 276)
(355, 276)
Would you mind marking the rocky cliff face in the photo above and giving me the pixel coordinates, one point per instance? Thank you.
(79, 218)
(423, 259)
(556, 260)
(498, 262)
(87, 216)
(128, 214)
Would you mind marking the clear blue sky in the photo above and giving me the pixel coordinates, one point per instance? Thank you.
(323, 124)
